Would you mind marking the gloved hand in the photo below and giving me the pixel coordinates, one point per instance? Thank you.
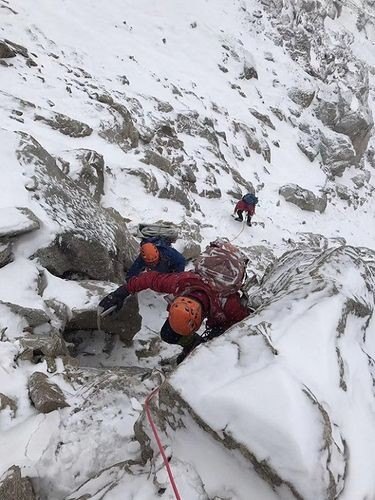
(114, 299)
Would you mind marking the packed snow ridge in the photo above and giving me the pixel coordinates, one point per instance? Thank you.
(120, 113)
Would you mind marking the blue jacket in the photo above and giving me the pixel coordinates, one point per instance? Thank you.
(171, 261)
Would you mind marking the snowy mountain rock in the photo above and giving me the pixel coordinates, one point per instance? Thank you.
(14, 486)
(6, 254)
(45, 395)
(143, 113)
(17, 220)
(83, 224)
(303, 198)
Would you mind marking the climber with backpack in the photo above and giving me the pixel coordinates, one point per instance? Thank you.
(209, 293)
(246, 204)
(156, 252)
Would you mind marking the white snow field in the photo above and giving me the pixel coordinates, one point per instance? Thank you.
(123, 112)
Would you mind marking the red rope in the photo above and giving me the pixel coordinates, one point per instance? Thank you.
(159, 443)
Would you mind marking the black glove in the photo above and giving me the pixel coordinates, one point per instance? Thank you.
(114, 299)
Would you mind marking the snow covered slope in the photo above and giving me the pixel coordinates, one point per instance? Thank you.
(123, 112)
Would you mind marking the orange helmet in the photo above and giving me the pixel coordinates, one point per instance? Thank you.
(150, 254)
(185, 315)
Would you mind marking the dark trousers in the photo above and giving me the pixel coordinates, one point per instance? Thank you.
(240, 216)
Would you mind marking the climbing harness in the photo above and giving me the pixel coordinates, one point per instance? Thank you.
(159, 443)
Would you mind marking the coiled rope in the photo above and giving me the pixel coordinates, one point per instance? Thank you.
(159, 443)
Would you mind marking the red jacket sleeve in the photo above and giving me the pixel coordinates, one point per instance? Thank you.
(159, 282)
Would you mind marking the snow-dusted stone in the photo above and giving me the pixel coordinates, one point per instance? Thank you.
(249, 72)
(309, 144)
(5, 50)
(302, 97)
(45, 395)
(8, 403)
(148, 179)
(357, 125)
(259, 145)
(343, 192)
(34, 316)
(121, 129)
(303, 198)
(6, 254)
(175, 193)
(361, 179)
(15, 487)
(163, 164)
(91, 172)
(92, 241)
(64, 124)
(262, 118)
(126, 323)
(17, 220)
(303, 357)
(35, 347)
(337, 153)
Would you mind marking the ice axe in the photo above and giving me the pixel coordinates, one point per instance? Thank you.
(102, 313)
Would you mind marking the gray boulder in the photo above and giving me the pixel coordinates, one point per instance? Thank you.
(302, 97)
(7, 402)
(45, 395)
(303, 198)
(15, 487)
(91, 174)
(6, 254)
(64, 124)
(6, 51)
(361, 179)
(337, 153)
(121, 129)
(93, 242)
(15, 221)
(126, 323)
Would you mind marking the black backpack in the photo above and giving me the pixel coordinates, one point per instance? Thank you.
(250, 199)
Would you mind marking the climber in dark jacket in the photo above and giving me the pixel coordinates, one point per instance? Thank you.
(156, 254)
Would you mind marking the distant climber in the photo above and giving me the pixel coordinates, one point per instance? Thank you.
(246, 204)
(194, 298)
(157, 254)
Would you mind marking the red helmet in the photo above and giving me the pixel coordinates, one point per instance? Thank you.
(150, 254)
(185, 315)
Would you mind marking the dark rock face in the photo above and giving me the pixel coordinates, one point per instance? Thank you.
(45, 395)
(93, 242)
(121, 130)
(65, 125)
(337, 153)
(15, 487)
(302, 97)
(6, 51)
(7, 402)
(126, 323)
(303, 198)
(6, 254)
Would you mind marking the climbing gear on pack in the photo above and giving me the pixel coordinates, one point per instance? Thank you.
(185, 315)
(250, 199)
(150, 254)
(164, 230)
(222, 266)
